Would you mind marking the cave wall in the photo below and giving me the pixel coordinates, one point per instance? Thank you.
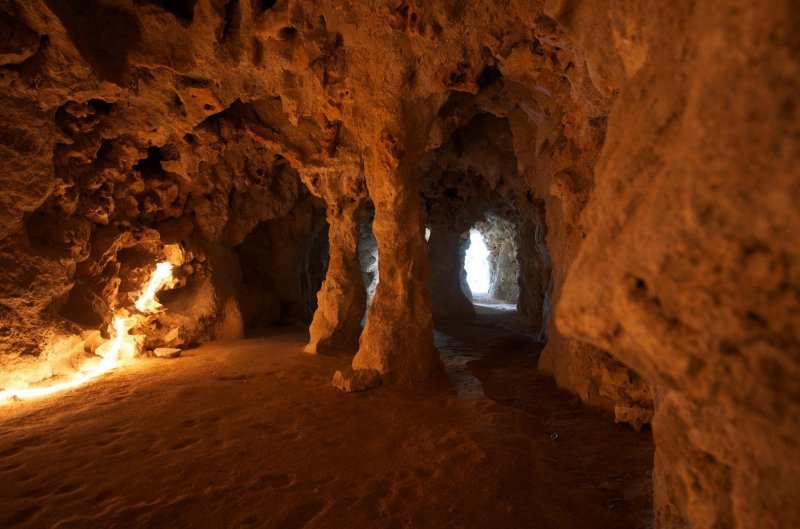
(689, 271)
(446, 259)
(536, 282)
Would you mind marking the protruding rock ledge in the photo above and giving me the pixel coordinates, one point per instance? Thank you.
(635, 415)
(167, 352)
(351, 380)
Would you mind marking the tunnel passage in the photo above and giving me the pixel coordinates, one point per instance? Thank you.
(501, 238)
(283, 263)
(489, 261)
(476, 275)
(471, 182)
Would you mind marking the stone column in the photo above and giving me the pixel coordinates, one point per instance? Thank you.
(398, 338)
(446, 261)
(342, 300)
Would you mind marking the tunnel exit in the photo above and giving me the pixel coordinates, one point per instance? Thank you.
(476, 263)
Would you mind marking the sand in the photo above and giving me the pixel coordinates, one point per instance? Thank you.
(250, 433)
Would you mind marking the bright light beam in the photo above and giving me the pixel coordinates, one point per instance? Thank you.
(121, 347)
(476, 263)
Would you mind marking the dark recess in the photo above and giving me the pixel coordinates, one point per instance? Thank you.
(103, 35)
(182, 9)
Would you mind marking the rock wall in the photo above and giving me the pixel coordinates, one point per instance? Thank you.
(446, 258)
(689, 272)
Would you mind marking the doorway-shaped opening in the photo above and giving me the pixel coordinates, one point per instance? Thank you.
(283, 262)
(492, 262)
(368, 257)
(476, 264)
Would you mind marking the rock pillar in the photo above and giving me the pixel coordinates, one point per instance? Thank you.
(398, 337)
(342, 300)
(447, 262)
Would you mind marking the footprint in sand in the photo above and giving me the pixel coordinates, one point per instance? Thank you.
(300, 516)
(67, 488)
(275, 481)
(242, 378)
(10, 467)
(22, 516)
(185, 443)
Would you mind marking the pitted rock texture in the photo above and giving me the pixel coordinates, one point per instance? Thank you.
(691, 267)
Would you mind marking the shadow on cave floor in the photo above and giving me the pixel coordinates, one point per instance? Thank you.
(250, 433)
(494, 357)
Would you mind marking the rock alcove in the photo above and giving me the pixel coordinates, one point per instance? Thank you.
(249, 183)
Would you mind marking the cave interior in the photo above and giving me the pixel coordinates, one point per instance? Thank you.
(384, 264)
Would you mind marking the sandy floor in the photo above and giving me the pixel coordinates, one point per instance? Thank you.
(251, 434)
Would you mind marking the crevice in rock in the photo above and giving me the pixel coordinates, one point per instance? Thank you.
(103, 35)
(181, 9)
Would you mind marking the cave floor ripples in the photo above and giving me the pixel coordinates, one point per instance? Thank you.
(250, 433)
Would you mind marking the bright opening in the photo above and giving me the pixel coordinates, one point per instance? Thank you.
(476, 263)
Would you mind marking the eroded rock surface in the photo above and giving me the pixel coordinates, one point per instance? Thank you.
(689, 272)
